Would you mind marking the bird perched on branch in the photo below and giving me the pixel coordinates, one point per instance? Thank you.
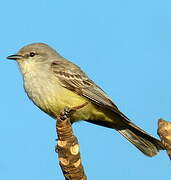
(52, 83)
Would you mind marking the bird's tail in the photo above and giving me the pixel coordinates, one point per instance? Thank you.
(139, 138)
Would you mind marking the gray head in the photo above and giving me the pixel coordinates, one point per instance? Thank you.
(35, 56)
(36, 52)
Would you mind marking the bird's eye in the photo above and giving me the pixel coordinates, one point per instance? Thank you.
(32, 54)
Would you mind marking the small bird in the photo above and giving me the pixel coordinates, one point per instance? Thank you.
(52, 83)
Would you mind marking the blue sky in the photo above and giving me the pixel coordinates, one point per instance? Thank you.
(124, 46)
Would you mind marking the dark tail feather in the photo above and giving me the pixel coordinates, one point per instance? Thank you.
(143, 141)
(138, 137)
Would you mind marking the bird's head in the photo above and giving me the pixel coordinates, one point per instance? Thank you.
(34, 52)
(32, 55)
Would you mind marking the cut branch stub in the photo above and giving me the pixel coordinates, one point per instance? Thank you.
(164, 132)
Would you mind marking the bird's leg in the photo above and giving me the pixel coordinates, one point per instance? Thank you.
(68, 111)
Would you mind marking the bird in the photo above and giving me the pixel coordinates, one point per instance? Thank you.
(52, 82)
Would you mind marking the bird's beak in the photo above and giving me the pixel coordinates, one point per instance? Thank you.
(15, 57)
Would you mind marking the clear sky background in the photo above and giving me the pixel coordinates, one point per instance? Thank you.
(124, 46)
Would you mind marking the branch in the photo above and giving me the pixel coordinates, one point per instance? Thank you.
(164, 132)
(68, 148)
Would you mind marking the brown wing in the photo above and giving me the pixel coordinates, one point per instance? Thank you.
(73, 78)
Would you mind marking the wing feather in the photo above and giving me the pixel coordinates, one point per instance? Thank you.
(74, 79)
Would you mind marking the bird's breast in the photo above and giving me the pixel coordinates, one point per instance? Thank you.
(42, 90)
(45, 90)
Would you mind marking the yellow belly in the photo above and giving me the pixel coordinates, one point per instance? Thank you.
(64, 97)
(51, 97)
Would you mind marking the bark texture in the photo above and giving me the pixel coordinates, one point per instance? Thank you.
(68, 148)
(164, 132)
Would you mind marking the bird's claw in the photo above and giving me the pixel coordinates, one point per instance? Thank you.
(68, 111)
(65, 113)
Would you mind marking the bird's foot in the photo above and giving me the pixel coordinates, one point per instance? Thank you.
(68, 111)
(65, 113)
